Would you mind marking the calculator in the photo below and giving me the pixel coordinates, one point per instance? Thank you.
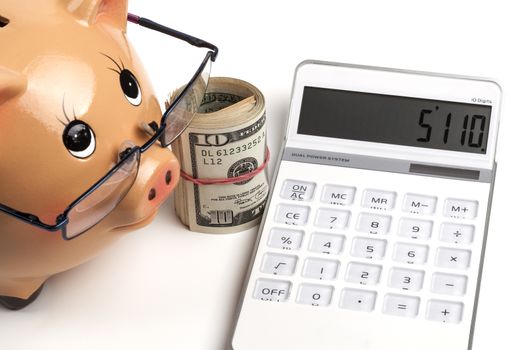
(374, 233)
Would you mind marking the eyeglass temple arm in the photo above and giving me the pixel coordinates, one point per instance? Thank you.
(144, 22)
(31, 219)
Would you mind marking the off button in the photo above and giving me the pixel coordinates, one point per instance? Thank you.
(272, 290)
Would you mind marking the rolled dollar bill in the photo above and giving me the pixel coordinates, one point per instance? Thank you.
(223, 154)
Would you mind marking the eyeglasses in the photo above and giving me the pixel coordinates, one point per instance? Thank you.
(100, 199)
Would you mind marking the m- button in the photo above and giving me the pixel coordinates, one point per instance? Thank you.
(461, 209)
(418, 204)
(375, 199)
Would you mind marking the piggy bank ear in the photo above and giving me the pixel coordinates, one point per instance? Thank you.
(11, 84)
(91, 11)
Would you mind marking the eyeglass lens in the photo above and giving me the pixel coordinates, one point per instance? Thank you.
(99, 203)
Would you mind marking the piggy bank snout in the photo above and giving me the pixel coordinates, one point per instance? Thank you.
(157, 176)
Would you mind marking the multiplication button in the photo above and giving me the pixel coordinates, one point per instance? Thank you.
(315, 295)
(271, 290)
(419, 204)
(297, 190)
(401, 305)
(338, 195)
(453, 258)
(456, 233)
(285, 239)
(375, 199)
(444, 311)
(358, 300)
(279, 264)
(292, 214)
(461, 209)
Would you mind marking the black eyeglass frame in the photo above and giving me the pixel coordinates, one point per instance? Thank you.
(62, 219)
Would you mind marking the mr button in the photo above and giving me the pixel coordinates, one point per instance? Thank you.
(382, 200)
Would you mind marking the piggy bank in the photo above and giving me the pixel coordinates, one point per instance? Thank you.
(74, 99)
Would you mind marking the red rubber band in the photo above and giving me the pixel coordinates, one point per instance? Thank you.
(230, 180)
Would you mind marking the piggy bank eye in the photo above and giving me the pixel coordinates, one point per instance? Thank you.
(130, 87)
(79, 139)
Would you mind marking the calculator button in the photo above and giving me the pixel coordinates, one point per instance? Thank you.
(406, 279)
(453, 258)
(285, 239)
(418, 204)
(461, 209)
(415, 229)
(411, 253)
(374, 224)
(297, 190)
(279, 264)
(321, 269)
(401, 305)
(315, 295)
(444, 311)
(364, 274)
(358, 300)
(338, 195)
(326, 243)
(271, 290)
(332, 219)
(382, 200)
(292, 214)
(368, 248)
(443, 283)
(456, 233)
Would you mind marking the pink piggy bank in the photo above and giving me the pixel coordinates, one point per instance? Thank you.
(77, 168)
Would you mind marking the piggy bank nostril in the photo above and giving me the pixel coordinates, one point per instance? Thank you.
(168, 177)
(152, 194)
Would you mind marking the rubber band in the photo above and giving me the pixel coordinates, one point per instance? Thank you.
(230, 180)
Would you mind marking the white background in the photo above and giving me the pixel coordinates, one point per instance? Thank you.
(163, 287)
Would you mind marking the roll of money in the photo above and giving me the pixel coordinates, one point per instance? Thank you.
(223, 154)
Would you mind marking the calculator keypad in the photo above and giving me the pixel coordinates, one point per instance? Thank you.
(366, 239)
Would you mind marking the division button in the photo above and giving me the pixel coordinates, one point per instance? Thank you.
(456, 233)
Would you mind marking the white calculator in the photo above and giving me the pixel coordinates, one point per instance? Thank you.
(374, 234)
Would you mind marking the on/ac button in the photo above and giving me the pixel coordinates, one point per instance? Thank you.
(297, 190)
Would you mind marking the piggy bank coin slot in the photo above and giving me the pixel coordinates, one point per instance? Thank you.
(3, 22)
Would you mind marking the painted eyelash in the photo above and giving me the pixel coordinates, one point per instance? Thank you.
(120, 69)
(68, 119)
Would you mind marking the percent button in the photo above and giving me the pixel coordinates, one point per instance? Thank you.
(285, 239)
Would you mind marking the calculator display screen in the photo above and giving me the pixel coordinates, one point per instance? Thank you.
(395, 120)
